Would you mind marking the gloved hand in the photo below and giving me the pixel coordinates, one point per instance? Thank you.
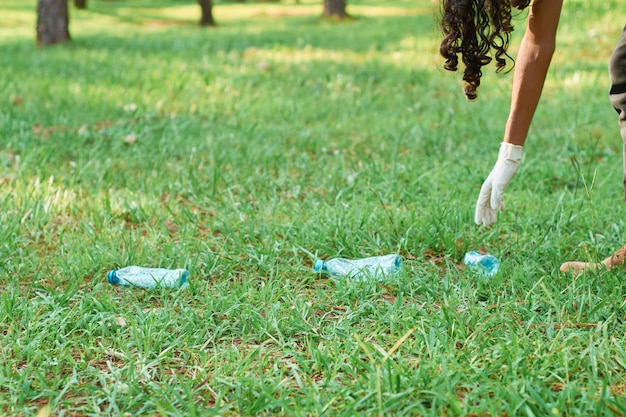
(491, 196)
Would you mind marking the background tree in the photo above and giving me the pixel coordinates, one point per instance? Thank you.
(52, 22)
(207, 13)
(80, 4)
(335, 8)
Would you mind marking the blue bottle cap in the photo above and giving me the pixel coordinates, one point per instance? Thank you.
(320, 266)
(112, 277)
(183, 278)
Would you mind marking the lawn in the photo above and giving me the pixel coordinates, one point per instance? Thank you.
(246, 152)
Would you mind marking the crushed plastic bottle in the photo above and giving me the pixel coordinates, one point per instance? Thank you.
(487, 265)
(376, 267)
(138, 276)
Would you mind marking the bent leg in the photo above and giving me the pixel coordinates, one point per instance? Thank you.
(617, 93)
(613, 261)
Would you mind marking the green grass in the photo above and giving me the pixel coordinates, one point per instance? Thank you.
(243, 153)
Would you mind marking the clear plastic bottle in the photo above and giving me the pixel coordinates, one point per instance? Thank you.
(486, 265)
(376, 267)
(139, 276)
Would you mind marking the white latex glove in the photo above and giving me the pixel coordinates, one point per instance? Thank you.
(491, 196)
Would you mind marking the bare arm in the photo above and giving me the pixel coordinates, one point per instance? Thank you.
(531, 67)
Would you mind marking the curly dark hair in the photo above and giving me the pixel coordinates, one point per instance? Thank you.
(472, 28)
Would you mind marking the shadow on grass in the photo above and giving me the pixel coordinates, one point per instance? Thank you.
(94, 53)
(289, 26)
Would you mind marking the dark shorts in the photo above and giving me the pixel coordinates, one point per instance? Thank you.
(617, 93)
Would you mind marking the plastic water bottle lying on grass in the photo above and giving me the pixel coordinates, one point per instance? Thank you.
(374, 267)
(138, 276)
(486, 265)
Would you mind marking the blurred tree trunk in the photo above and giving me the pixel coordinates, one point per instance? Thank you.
(52, 22)
(335, 8)
(80, 4)
(207, 13)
